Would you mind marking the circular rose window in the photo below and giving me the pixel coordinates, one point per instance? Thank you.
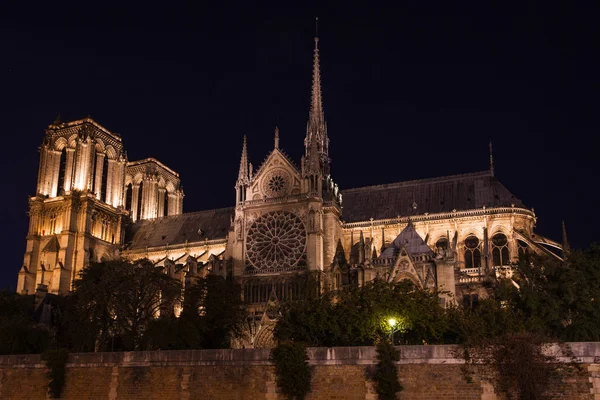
(276, 240)
(276, 183)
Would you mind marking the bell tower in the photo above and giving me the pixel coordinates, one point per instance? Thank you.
(76, 214)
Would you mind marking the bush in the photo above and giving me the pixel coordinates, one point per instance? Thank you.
(386, 372)
(56, 361)
(292, 370)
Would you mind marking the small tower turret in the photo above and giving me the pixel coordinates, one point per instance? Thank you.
(243, 175)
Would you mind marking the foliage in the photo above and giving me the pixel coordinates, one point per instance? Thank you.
(557, 299)
(55, 360)
(519, 364)
(292, 369)
(19, 334)
(212, 315)
(119, 299)
(386, 373)
(357, 316)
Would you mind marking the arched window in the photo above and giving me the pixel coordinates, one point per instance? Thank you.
(139, 200)
(442, 244)
(104, 180)
(128, 196)
(472, 252)
(500, 254)
(62, 170)
(523, 248)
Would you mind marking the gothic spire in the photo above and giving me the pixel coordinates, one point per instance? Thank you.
(565, 241)
(243, 175)
(316, 129)
(276, 137)
(316, 116)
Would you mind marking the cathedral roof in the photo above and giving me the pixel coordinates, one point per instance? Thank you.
(408, 239)
(436, 195)
(177, 229)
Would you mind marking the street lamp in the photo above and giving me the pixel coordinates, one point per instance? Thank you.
(392, 323)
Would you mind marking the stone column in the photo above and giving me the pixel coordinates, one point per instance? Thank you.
(109, 181)
(52, 172)
(172, 204)
(118, 183)
(99, 170)
(161, 202)
(135, 191)
(41, 188)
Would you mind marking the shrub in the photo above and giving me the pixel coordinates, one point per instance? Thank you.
(386, 372)
(56, 361)
(292, 369)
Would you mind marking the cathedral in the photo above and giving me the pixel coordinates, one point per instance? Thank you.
(92, 204)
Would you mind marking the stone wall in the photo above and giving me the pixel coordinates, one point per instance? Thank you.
(427, 372)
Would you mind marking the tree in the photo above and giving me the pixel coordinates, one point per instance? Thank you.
(121, 298)
(19, 334)
(212, 315)
(358, 316)
(519, 365)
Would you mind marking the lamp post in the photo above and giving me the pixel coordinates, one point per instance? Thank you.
(392, 323)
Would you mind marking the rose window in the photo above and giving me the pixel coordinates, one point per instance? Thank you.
(276, 240)
(276, 183)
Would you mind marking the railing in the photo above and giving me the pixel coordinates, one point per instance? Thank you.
(265, 271)
(267, 200)
(440, 216)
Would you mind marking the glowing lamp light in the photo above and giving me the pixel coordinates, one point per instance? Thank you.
(392, 322)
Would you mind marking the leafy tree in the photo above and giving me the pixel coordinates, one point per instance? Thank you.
(358, 316)
(121, 298)
(19, 334)
(212, 315)
(557, 299)
(520, 365)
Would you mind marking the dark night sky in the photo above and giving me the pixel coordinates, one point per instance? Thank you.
(409, 93)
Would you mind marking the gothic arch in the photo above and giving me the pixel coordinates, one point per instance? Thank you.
(100, 148)
(72, 141)
(170, 187)
(137, 179)
(128, 180)
(60, 144)
(111, 152)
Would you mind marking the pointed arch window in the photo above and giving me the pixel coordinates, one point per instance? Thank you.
(472, 252)
(500, 253)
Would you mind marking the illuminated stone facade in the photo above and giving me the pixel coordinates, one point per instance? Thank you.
(446, 233)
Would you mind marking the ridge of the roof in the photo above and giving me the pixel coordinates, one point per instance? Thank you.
(185, 215)
(396, 185)
(82, 121)
(152, 160)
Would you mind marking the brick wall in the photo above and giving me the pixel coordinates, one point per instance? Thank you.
(426, 372)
